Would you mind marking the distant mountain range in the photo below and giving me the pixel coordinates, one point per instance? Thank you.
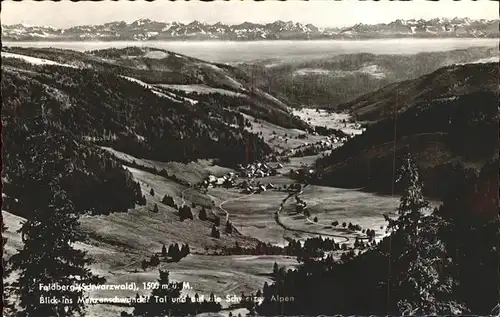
(148, 30)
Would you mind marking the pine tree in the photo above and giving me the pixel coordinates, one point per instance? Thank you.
(412, 202)
(229, 227)
(422, 288)
(203, 214)
(167, 200)
(174, 252)
(184, 250)
(217, 220)
(163, 251)
(48, 257)
(215, 233)
(185, 213)
(152, 192)
(155, 208)
(275, 268)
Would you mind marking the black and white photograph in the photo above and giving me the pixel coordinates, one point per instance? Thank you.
(250, 158)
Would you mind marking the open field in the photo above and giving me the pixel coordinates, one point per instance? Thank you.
(275, 135)
(323, 118)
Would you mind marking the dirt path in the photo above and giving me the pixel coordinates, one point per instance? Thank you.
(230, 200)
(280, 223)
(182, 195)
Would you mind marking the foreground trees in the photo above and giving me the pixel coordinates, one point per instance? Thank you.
(48, 257)
(423, 288)
(185, 213)
(440, 262)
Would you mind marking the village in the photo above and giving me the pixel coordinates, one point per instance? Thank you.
(249, 173)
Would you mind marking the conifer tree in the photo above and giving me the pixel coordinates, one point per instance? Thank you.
(48, 257)
(412, 203)
(185, 250)
(203, 214)
(163, 251)
(275, 268)
(155, 260)
(144, 265)
(173, 252)
(217, 220)
(170, 250)
(422, 288)
(215, 233)
(229, 227)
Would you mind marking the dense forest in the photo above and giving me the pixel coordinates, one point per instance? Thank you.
(252, 104)
(112, 111)
(444, 263)
(93, 180)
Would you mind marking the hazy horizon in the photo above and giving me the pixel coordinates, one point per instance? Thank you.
(66, 14)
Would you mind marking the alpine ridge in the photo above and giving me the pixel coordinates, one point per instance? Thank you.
(148, 30)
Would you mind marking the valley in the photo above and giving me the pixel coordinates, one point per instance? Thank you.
(157, 148)
(119, 242)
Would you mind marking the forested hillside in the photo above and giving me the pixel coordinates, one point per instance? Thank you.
(168, 70)
(62, 114)
(38, 152)
(109, 110)
(444, 83)
(331, 81)
(452, 130)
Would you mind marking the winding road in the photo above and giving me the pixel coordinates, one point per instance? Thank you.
(277, 215)
(280, 223)
(230, 200)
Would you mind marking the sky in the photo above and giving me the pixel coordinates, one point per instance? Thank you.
(321, 13)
